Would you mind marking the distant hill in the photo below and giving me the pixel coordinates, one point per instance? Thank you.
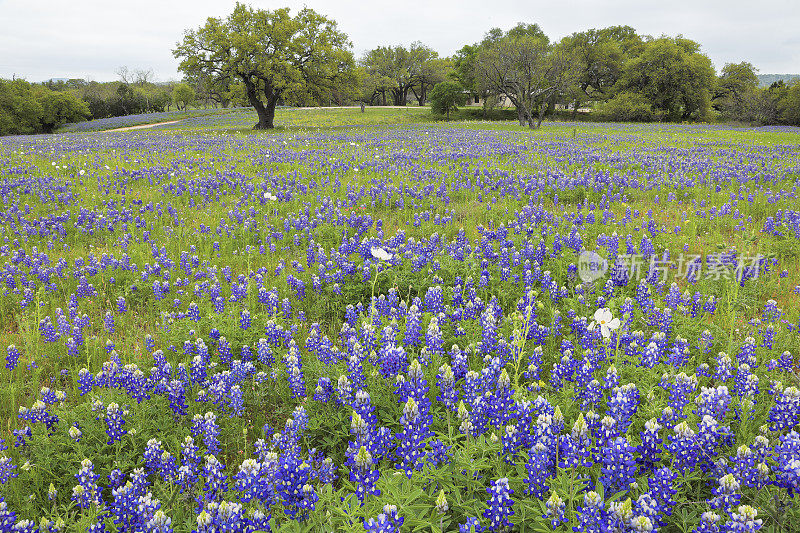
(765, 80)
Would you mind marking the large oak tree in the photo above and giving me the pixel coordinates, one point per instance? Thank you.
(274, 55)
(528, 71)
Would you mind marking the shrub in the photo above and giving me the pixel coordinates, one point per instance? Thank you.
(628, 107)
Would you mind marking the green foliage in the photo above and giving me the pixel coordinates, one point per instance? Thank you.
(183, 95)
(673, 76)
(19, 110)
(26, 108)
(274, 55)
(445, 97)
(628, 107)
(474, 462)
(392, 72)
(524, 68)
(789, 106)
(601, 55)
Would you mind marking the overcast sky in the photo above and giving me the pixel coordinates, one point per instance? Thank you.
(41, 39)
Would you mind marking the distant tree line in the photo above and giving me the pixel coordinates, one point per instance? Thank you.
(607, 74)
(264, 58)
(28, 108)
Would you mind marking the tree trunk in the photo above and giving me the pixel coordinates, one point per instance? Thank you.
(420, 97)
(542, 111)
(266, 114)
(521, 115)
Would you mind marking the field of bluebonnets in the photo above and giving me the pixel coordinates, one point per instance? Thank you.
(373, 322)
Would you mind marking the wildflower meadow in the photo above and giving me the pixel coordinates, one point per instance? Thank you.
(389, 324)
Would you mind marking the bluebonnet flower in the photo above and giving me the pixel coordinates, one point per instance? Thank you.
(591, 515)
(386, 522)
(771, 311)
(364, 474)
(108, 322)
(622, 405)
(555, 510)
(744, 520)
(294, 371)
(410, 447)
(472, 525)
(265, 356)
(248, 479)
(216, 482)
(713, 401)
(177, 397)
(787, 473)
(649, 451)
(746, 384)
(499, 505)
(225, 354)
(460, 363)
(355, 369)
(50, 396)
(149, 343)
(489, 331)
(768, 337)
(114, 422)
(445, 381)
(413, 333)
(206, 425)
(539, 467)
(324, 390)
(724, 367)
(439, 454)
(230, 516)
(726, 495)
(784, 414)
(706, 341)
(86, 492)
(12, 357)
(684, 447)
(7, 470)
(20, 436)
(708, 523)
(747, 353)
(244, 319)
(619, 465)
(159, 523)
(433, 337)
(344, 390)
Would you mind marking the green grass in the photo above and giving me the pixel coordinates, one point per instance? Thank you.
(337, 153)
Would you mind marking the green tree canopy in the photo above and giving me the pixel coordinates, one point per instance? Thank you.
(274, 55)
(183, 95)
(26, 108)
(445, 97)
(674, 77)
(528, 71)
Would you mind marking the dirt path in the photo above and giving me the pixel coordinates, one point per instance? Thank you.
(143, 126)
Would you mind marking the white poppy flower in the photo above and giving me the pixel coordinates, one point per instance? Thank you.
(380, 253)
(606, 321)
